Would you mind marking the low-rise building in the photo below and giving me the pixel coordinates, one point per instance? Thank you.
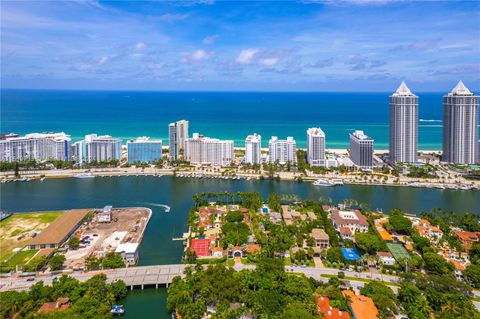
(362, 307)
(59, 230)
(129, 253)
(386, 258)
(467, 238)
(326, 310)
(353, 220)
(104, 215)
(320, 238)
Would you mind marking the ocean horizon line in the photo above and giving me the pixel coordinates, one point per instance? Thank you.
(213, 91)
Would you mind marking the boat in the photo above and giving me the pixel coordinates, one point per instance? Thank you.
(322, 182)
(117, 310)
(42, 179)
(84, 175)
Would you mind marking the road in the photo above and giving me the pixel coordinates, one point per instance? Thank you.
(163, 275)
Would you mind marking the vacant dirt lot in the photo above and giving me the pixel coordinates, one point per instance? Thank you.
(127, 226)
(17, 230)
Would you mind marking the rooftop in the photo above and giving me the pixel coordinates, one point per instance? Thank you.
(59, 229)
(128, 248)
(328, 312)
(320, 234)
(403, 90)
(362, 306)
(460, 89)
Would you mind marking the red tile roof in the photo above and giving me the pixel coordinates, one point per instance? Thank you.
(328, 312)
(201, 247)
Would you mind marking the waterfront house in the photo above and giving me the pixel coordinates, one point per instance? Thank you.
(362, 307)
(129, 253)
(275, 217)
(353, 220)
(345, 233)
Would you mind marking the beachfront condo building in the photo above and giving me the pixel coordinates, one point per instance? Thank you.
(208, 151)
(79, 152)
(36, 146)
(361, 150)
(102, 148)
(315, 146)
(144, 150)
(460, 126)
(403, 125)
(253, 149)
(282, 151)
(177, 134)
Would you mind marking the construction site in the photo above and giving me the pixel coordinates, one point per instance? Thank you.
(106, 231)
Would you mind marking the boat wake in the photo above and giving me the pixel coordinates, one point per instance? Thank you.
(165, 207)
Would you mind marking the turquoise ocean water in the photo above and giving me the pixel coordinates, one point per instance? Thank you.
(225, 115)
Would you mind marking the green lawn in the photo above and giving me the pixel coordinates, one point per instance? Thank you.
(22, 257)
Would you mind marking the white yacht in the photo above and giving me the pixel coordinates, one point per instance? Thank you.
(84, 175)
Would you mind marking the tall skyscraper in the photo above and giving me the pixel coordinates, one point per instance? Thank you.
(282, 151)
(253, 149)
(144, 150)
(361, 149)
(102, 148)
(208, 151)
(36, 146)
(460, 126)
(315, 146)
(403, 125)
(177, 134)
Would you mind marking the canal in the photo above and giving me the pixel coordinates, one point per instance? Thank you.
(152, 192)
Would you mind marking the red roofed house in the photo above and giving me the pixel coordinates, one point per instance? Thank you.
(362, 307)
(328, 312)
(201, 247)
(467, 238)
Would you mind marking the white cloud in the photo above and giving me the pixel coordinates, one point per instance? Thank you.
(140, 46)
(268, 61)
(246, 56)
(210, 39)
(196, 56)
(171, 17)
(103, 60)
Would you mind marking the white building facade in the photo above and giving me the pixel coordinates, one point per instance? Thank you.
(282, 151)
(177, 135)
(36, 146)
(253, 149)
(209, 151)
(361, 149)
(102, 148)
(460, 126)
(403, 125)
(315, 147)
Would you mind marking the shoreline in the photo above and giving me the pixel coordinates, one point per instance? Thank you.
(346, 179)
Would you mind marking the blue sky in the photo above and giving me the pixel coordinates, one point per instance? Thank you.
(344, 45)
